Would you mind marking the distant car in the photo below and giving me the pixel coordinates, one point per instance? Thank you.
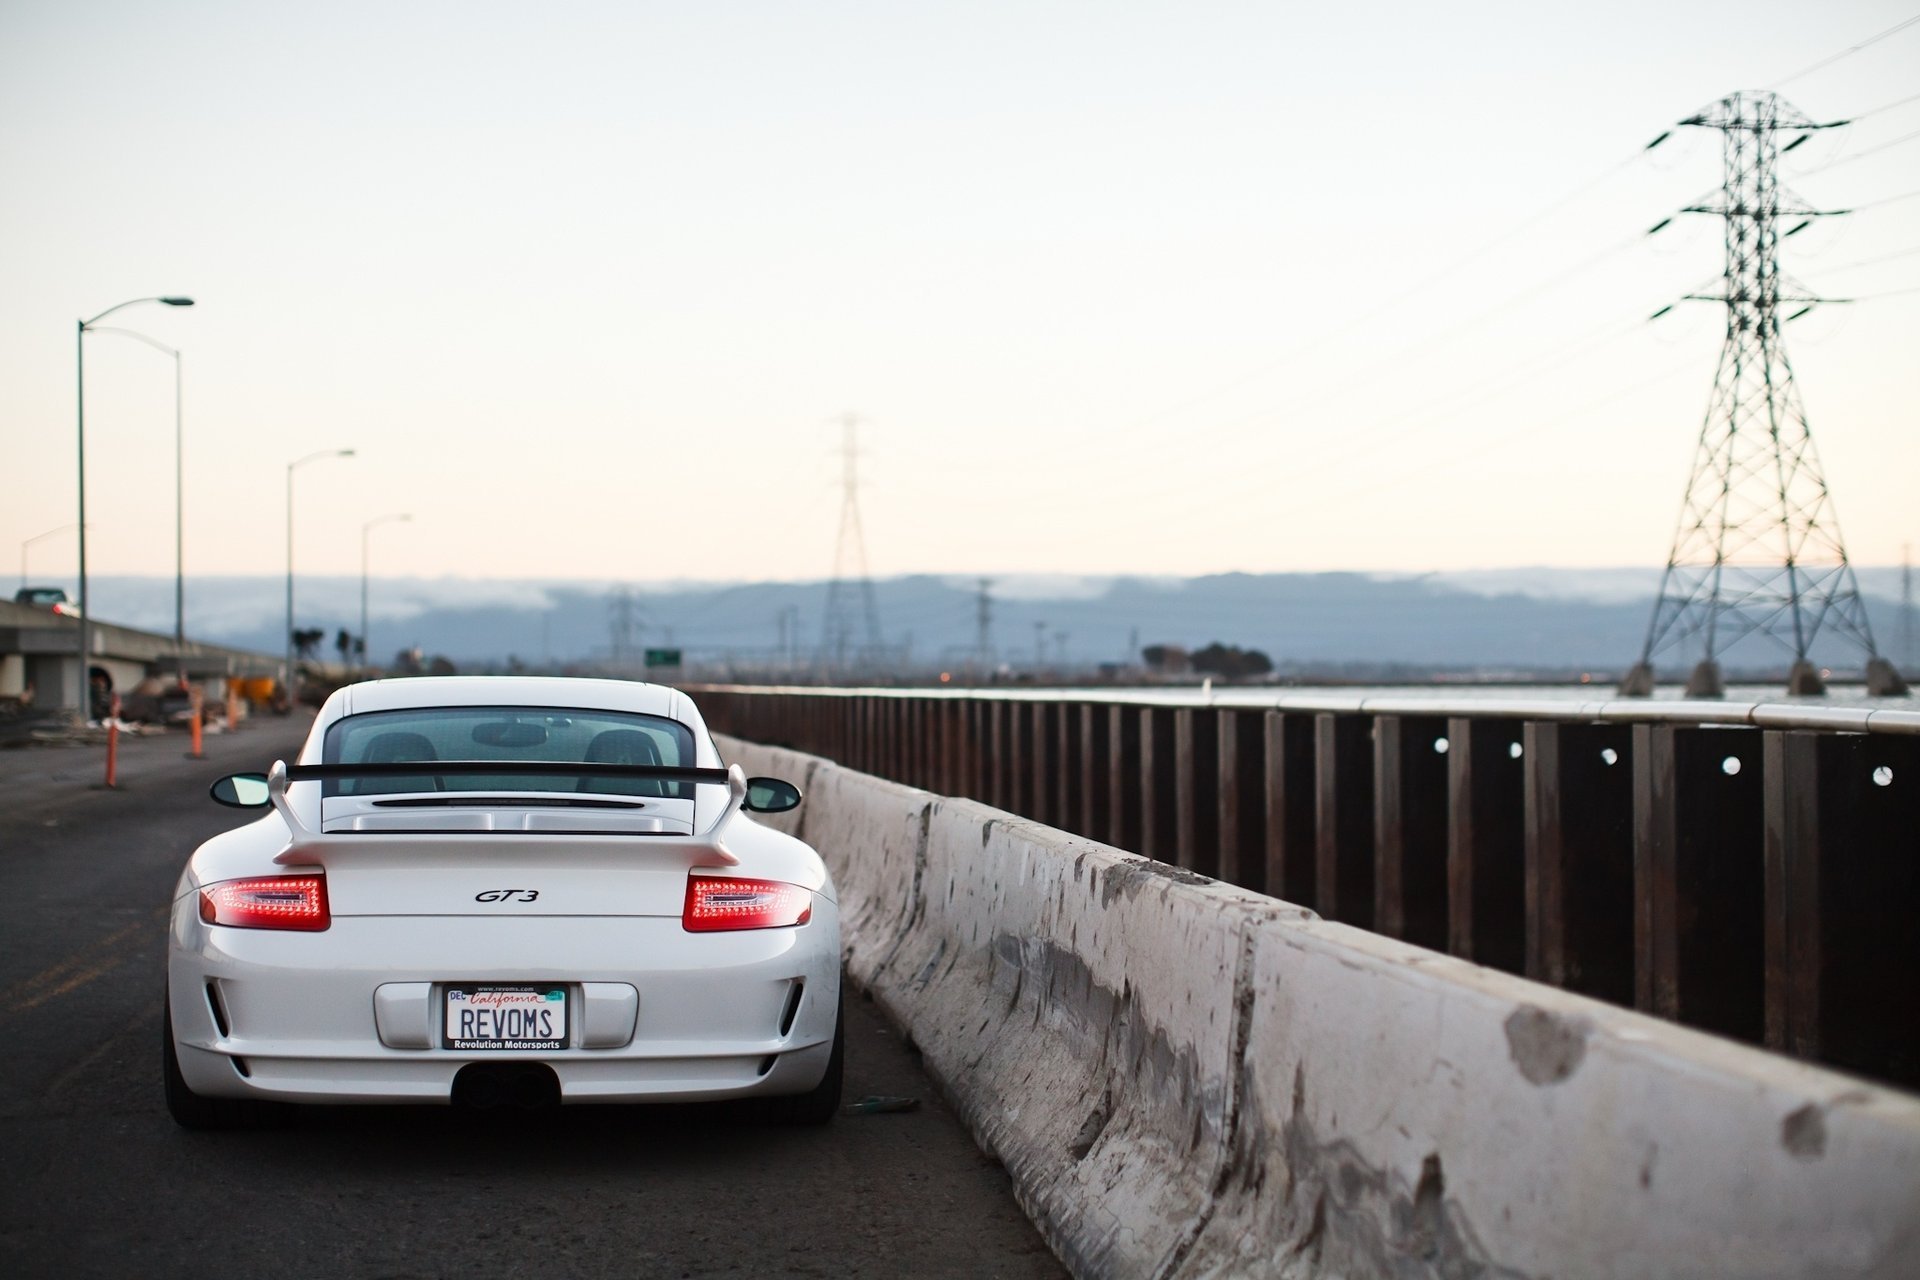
(503, 891)
(54, 598)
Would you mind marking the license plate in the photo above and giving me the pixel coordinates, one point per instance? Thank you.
(505, 1017)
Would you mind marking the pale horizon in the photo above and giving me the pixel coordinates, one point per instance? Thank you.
(1129, 290)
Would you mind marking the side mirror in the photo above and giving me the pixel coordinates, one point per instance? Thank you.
(770, 795)
(241, 791)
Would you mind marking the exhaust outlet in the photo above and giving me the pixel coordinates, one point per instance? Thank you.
(491, 1086)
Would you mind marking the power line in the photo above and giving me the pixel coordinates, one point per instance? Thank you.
(1867, 115)
(1399, 356)
(1828, 61)
(1869, 262)
(1875, 204)
(1862, 155)
(1420, 286)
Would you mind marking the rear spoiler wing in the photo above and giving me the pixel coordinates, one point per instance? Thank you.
(307, 845)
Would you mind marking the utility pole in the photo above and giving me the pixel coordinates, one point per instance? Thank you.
(850, 577)
(1758, 551)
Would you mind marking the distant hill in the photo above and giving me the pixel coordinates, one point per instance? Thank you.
(1525, 620)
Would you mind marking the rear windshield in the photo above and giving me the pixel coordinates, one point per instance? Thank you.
(507, 734)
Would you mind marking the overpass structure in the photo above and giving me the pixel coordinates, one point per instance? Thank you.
(41, 650)
(1185, 1077)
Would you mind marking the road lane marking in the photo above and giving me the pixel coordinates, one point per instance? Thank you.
(96, 1053)
(90, 962)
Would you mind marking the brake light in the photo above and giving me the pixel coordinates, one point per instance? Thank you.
(270, 902)
(719, 903)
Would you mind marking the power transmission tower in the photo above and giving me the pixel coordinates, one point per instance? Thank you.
(983, 617)
(621, 623)
(1758, 549)
(850, 576)
(1906, 606)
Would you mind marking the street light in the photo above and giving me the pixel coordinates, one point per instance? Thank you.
(179, 491)
(80, 442)
(366, 650)
(29, 542)
(293, 466)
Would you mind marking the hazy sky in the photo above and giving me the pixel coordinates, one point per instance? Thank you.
(1117, 287)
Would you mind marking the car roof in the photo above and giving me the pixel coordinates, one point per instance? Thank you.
(515, 691)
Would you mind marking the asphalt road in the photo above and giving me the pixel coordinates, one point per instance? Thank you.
(96, 1180)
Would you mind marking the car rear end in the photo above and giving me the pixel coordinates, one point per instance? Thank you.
(433, 935)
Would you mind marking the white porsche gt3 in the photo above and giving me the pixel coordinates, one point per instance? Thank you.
(503, 891)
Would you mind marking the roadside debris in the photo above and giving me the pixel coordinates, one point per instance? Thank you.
(879, 1104)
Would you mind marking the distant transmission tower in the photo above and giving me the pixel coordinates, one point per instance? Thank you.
(983, 617)
(620, 621)
(850, 576)
(1758, 549)
(1907, 653)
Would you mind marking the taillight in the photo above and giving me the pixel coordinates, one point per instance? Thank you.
(719, 903)
(270, 902)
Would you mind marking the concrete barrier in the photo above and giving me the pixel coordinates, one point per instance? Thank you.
(1079, 1005)
(1404, 1113)
(1183, 1078)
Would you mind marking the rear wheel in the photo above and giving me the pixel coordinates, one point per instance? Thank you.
(191, 1111)
(819, 1104)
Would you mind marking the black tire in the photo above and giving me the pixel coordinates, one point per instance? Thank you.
(821, 1103)
(191, 1111)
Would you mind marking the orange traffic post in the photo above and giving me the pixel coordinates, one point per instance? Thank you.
(113, 743)
(199, 705)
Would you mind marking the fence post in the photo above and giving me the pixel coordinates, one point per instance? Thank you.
(1158, 835)
(1292, 853)
(1039, 762)
(1241, 753)
(1579, 857)
(1095, 772)
(1486, 843)
(1699, 862)
(1842, 848)
(1410, 828)
(1343, 817)
(1124, 774)
(1196, 789)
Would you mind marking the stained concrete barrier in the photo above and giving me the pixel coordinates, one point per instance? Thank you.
(1081, 1006)
(1405, 1113)
(1186, 1079)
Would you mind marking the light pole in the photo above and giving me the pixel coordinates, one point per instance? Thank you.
(179, 490)
(29, 542)
(366, 650)
(293, 466)
(80, 442)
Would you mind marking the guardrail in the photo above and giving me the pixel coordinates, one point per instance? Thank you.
(1748, 870)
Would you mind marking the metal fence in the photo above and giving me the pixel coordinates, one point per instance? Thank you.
(1753, 871)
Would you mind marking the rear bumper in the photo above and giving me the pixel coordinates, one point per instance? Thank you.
(351, 1015)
